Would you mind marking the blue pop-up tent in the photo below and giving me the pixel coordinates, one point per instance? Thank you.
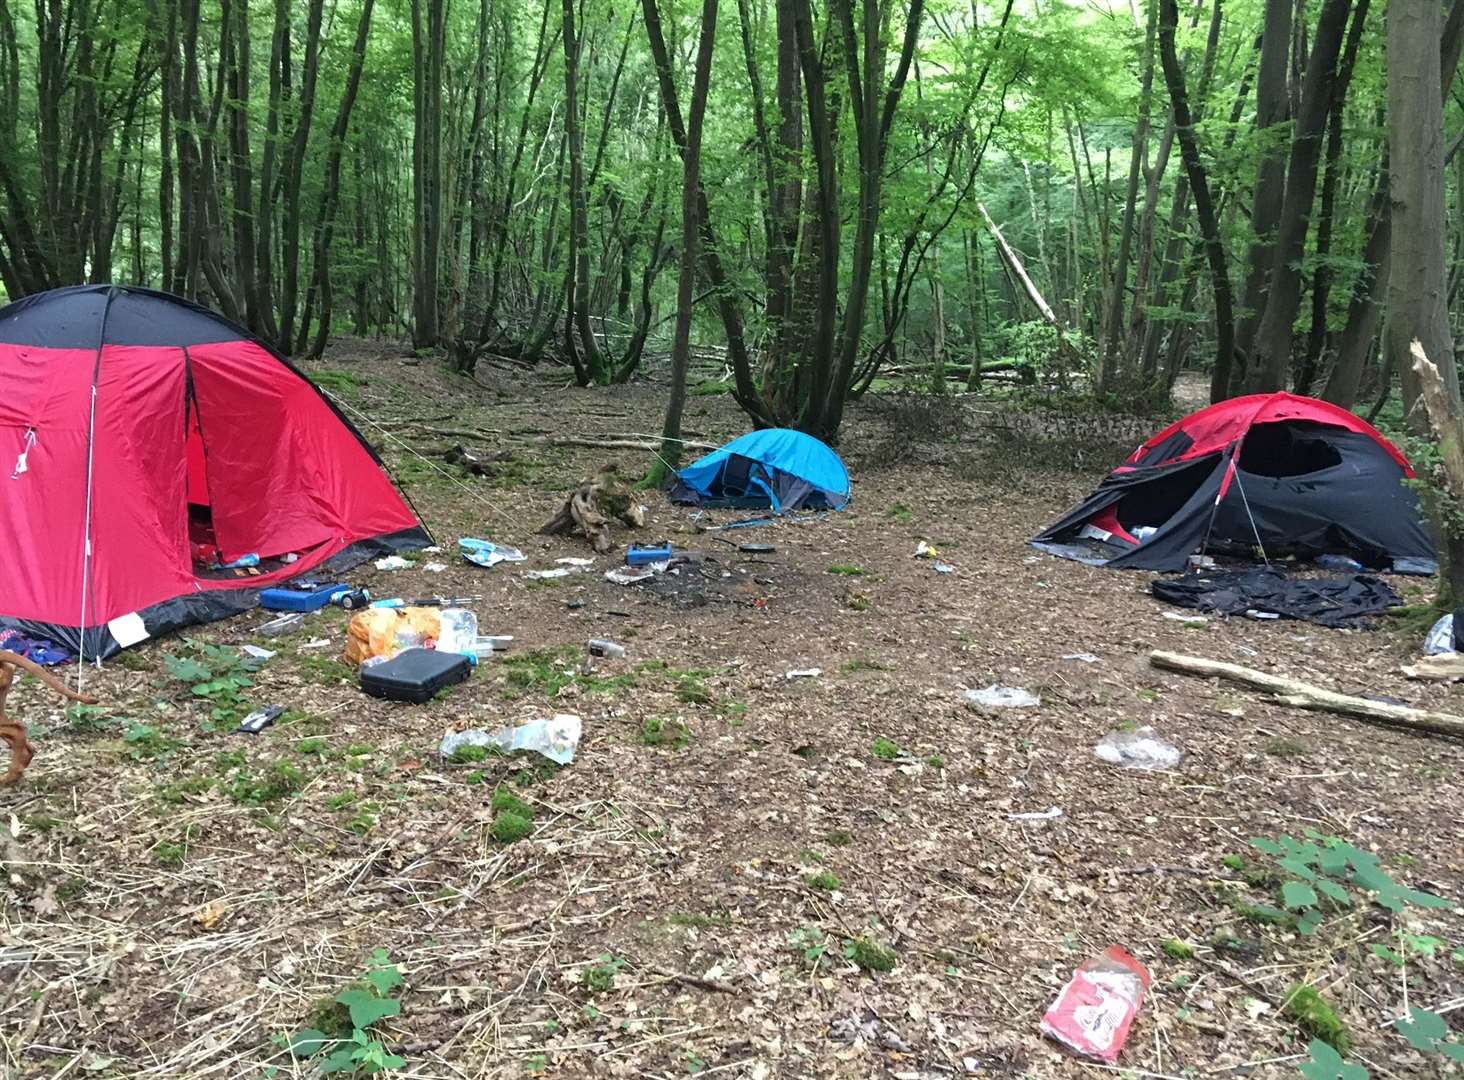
(777, 467)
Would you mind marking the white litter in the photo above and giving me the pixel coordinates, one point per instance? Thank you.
(925, 551)
(1051, 813)
(318, 643)
(804, 673)
(256, 652)
(433, 550)
(556, 739)
(944, 568)
(1083, 657)
(1193, 620)
(996, 696)
(546, 575)
(434, 567)
(631, 575)
(577, 564)
(393, 562)
(1141, 749)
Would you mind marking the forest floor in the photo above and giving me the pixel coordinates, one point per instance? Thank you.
(179, 899)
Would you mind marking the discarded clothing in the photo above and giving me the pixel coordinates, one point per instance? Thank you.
(1338, 600)
(37, 650)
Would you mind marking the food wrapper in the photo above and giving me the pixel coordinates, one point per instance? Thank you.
(1093, 1013)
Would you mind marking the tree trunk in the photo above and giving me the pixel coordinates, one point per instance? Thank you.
(1417, 282)
(586, 353)
(1331, 176)
(1271, 107)
(1118, 286)
(1204, 210)
(427, 50)
(1271, 357)
(690, 239)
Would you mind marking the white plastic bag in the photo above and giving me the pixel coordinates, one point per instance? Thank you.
(1440, 638)
(1141, 749)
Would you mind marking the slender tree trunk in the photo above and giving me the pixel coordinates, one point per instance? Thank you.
(586, 353)
(1204, 210)
(294, 178)
(1271, 357)
(1331, 176)
(690, 237)
(1271, 107)
(1118, 286)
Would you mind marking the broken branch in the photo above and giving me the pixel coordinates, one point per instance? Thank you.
(1305, 696)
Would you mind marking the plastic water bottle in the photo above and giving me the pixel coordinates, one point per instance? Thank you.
(459, 633)
(1338, 562)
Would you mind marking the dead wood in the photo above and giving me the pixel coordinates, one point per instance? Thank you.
(1441, 667)
(1305, 696)
(591, 506)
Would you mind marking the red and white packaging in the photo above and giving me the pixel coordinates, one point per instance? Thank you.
(1093, 1013)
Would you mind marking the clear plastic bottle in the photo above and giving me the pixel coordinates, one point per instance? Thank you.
(459, 631)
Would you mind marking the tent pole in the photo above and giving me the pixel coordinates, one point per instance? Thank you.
(1215, 509)
(86, 538)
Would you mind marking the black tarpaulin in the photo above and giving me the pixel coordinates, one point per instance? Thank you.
(1335, 601)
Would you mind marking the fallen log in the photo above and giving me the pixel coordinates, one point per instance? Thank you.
(1444, 666)
(1305, 696)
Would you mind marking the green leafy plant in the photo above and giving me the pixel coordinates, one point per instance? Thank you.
(847, 570)
(1316, 1017)
(885, 749)
(824, 879)
(344, 1032)
(870, 955)
(1327, 1064)
(656, 731)
(810, 943)
(600, 976)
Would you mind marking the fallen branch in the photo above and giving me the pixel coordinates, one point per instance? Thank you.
(1304, 696)
(697, 981)
(1442, 666)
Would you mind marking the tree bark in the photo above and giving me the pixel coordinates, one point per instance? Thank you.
(690, 239)
(1204, 209)
(1271, 359)
(1417, 282)
(1271, 107)
(427, 48)
(1118, 286)
(585, 354)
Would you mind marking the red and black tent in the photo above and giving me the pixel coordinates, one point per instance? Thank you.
(1288, 475)
(144, 441)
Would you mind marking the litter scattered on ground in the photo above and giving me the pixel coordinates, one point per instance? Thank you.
(997, 696)
(1338, 562)
(385, 632)
(434, 567)
(604, 647)
(1093, 1013)
(1083, 657)
(1440, 639)
(756, 549)
(804, 673)
(1050, 814)
(944, 568)
(283, 625)
(394, 562)
(648, 554)
(36, 650)
(576, 564)
(433, 550)
(260, 719)
(549, 575)
(630, 575)
(925, 551)
(555, 739)
(1141, 749)
(487, 554)
(1261, 616)
(255, 652)
(1192, 620)
(317, 643)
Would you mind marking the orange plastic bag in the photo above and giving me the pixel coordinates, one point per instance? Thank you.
(387, 631)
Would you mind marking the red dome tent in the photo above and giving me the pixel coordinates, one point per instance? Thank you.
(1290, 475)
(140, 431)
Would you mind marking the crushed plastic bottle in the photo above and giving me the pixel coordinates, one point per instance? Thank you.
(556, 739)
(997, 696)
(606, 648)
(459, 631)
(1141, 749)
(487, 554)
(1338, 562)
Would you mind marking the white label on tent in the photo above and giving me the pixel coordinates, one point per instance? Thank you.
(128, 629)
(1093, 532)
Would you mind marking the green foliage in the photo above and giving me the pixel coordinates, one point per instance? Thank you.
(506, 801)
(509, 827)
(656, 731)
(342, 1028)
(824, 879)
(810, 943)
(870, 955)
(1326, 1064)
(1176, 949)
(278, 780)
(885, 749)
(1427, 1031)
(1314, 1016)
(599, 977)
